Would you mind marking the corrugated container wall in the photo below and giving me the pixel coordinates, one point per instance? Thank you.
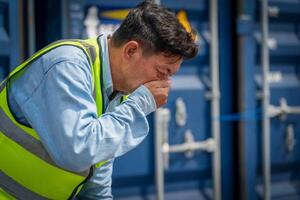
(268, 94)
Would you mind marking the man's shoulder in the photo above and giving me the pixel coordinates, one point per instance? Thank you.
(63, 58)
(66, 52)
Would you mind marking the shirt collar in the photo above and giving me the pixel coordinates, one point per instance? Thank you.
(107, 78)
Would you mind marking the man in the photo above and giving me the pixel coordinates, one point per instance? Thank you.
(63, 116)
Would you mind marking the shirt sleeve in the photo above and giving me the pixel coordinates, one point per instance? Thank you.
(63, 112)
(99, 185)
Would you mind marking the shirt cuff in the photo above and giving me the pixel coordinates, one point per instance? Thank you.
(144, 98)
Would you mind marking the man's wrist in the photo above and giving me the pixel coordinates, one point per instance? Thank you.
(144, 98)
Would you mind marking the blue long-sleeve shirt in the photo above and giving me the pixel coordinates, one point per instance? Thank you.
(54, 96)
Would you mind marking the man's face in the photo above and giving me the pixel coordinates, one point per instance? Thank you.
(143, 69)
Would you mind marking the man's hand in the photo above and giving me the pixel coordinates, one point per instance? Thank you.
(159, 90)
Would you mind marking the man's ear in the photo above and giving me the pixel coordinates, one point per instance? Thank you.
(130, 49)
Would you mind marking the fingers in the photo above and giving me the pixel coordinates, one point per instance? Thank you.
(160, 84)
(162, 96)
(160, 91)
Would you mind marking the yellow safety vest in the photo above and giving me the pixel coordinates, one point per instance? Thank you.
(27, 170)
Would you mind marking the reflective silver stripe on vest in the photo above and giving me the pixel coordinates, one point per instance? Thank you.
(91, 50)
(27, 141)
(3, 84)
(15, 189)
(24, 139)
(94, 94)
(93, 54)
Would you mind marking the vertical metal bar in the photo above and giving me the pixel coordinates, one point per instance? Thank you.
(159, 166)
(215, 104)
(31, 27)
(265, 99)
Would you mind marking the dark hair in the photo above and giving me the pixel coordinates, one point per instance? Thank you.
(157, 29)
